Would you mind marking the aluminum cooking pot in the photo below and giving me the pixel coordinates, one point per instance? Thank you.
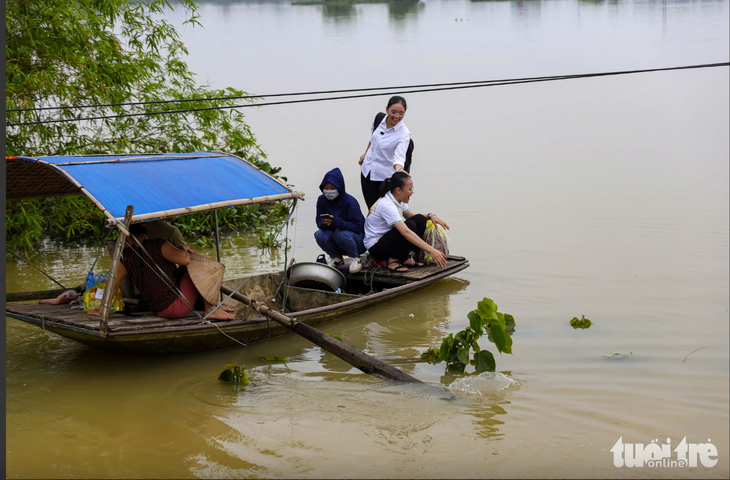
(316, 275)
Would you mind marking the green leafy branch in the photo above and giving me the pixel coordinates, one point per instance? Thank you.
(455, 348)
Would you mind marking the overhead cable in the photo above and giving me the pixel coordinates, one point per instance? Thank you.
(420, 88)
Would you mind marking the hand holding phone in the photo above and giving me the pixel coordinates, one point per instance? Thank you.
(325, 215)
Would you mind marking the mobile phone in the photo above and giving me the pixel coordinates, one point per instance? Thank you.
(325, 215)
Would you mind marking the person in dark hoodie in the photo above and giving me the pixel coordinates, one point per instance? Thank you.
(341, 225)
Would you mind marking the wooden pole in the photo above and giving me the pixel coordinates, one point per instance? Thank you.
(348, 353)
(217, 241)
(206, 207)
(217, 237)
(108, 293)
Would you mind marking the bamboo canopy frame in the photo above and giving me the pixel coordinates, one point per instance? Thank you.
(158, 185)
(43, 177)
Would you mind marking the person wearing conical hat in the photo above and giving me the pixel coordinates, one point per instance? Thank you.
(170, 291)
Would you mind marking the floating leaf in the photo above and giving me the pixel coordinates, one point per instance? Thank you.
(275, 358)
(226, 376)
(509, 322)
(445, 347)
(485, 361)
(236, 374)
(431, 355)
(475, 321)
(463, 355)
(500, 321)
(487, 309)
(500, 339)
(582, 323)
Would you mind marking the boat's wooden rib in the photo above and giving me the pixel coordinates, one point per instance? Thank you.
(145, 333)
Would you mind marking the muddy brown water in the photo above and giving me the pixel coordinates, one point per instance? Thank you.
(599, 197)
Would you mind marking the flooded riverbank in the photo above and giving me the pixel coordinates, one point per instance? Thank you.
(606, 198)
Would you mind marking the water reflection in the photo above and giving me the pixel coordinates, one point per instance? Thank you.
(339, 12)
(402, 11)
(399, 11)
(526, 12)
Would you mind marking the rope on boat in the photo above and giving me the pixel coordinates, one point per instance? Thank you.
(286, 244)
(165, 279)
(170, 284)
(368, 277)
(102, 250)
(268, 324)
(224, 333)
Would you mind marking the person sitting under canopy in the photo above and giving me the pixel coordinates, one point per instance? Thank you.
(166, 289)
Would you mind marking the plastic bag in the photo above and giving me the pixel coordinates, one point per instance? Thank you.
(94, 279)
(95, 285)
(436, 236)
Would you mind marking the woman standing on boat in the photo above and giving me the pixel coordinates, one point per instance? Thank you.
(154, 277)
(386, 151)
(392, 230)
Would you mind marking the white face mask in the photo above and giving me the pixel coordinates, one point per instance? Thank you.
(330, 194)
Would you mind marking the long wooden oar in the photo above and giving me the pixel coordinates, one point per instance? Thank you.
(348, 353)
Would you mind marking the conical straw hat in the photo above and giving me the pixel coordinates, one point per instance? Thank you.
(207, 276)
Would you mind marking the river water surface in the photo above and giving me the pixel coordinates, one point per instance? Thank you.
(604, 197)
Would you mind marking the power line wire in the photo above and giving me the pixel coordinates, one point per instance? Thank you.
(459, 85)
(247, 97)
(350, 90)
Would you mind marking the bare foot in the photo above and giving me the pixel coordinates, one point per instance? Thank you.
(226, 308)
(412, 263)
(220, 315)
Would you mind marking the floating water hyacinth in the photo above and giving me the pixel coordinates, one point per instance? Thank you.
(236, 374)
(582, 323)
(455, 348)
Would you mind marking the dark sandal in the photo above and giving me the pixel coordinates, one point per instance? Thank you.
(399, 267)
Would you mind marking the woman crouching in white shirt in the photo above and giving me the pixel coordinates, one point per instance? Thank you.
(392, 230)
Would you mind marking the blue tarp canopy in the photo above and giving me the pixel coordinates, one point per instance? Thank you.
(156, 185)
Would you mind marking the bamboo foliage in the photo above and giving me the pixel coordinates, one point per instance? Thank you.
(97, 53)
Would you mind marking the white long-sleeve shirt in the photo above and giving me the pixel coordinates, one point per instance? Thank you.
(388, 148)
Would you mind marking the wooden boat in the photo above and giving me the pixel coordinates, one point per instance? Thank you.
(141, 332)
(144, 333)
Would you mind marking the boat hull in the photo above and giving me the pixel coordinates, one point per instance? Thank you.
(137, 335)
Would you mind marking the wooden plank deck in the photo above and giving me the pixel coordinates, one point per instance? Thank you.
(146, 321)
(412, 275)
(64, 314)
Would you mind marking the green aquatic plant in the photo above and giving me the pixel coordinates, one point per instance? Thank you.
(582, 323)
(235, 374)
(275, 358)
(267, 240)
(455, 348)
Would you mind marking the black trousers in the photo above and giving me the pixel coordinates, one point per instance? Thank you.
(395, 245)
(370, 189)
